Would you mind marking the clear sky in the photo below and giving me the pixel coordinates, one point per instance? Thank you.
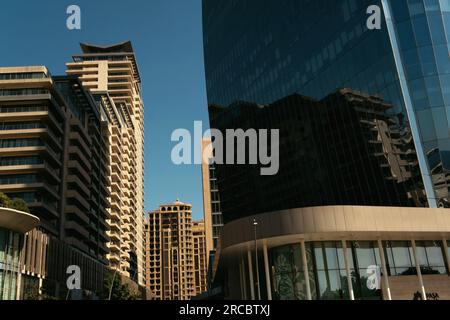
(167, 38)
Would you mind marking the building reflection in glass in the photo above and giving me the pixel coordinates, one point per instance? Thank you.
(264, 50)
(327, 275)
(346, 149)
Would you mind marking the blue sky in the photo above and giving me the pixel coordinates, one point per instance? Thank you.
(167, 38)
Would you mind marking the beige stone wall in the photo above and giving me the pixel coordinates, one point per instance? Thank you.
(406, 287)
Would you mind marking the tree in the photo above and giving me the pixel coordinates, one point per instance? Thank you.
(16, 204)
(19, 204)
(119, 291)
(5, 201)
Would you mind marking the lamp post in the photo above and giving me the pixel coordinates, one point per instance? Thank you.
(255, 225)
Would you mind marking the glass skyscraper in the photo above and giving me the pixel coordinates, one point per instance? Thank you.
(261, 51)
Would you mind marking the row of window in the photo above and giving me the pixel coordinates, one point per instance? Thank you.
(23, 108)
(18, 178)
(21, 125)
(20, 143)
(18, 76)
(9, 262)
(22, 92)
(327, 270)
(20, 161)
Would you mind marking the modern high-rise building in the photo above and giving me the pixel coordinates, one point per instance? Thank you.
(175, 253)
(262, 51)
(111, 74)
(353, 163)
(53, 156)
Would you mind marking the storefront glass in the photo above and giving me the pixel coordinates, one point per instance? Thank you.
(288, 277)
(9, 264)
(327, 270)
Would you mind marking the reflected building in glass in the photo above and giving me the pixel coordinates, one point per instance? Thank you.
(345, 149)
(364, 146)
(262, 51)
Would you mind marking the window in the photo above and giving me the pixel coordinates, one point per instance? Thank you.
(431, 257)
(399, 258)
(21, 125)
(18, 178)
(23, 108)
(27, 75)
(22, 92)
(20, 143)
(329, 268)
(18, 161)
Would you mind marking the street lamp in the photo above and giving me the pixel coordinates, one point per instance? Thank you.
(255, 225)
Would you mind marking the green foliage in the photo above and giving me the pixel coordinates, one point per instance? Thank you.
(5, 201)
(119, 291)
(16, 204)
(19, 204)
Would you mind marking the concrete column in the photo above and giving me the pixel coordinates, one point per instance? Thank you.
(385, 271)
(305, 269)
(244, 279)
(250, 274)
(241, 281)
(447, 256)
(419, 273)
(347, 270)
(267, 272)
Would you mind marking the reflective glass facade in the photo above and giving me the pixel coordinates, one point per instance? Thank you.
(343, 150)
(261, 51)
(420, 33)
(9, 263)
(327, 270)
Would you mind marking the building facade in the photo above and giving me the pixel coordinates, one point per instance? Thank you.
(339, 253)
(112, 73)
(13, 226)
(175, 253)
(200, 257)
(362, 169)
(212, 214)
(53, 156)
(344, 149)
(261, 51)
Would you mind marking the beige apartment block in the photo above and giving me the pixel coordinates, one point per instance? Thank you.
(175, 253)
(112, 75)
(212, 213)
(200, 257)
(206, 188)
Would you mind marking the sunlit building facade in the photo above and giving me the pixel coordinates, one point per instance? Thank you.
(170, 253)
(112, 73)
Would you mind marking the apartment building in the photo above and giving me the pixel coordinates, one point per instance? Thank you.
(111, 73)
(53, 155)
(170, 269)
(212, 212)
(200, 256)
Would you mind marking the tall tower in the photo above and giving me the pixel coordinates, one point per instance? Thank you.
(112, 72)
(170, 252)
